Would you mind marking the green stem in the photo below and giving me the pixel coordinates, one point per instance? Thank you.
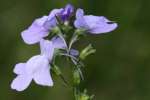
(73, 40)
(77, 94)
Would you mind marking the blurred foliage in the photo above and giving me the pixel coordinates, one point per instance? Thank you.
(119, 70)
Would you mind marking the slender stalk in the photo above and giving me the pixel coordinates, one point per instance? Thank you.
(73, 40)
(77, 72)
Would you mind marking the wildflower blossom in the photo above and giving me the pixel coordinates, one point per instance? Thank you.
(41, 27)
(93, 24)
(37, 68)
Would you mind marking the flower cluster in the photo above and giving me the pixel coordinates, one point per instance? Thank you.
(51, 33)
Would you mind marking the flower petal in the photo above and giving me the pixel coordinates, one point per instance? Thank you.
(43, 77)
(93, 24)
(99, 25)
(47, 48)
(79, 13)
(19, 68)
(35, 64)
(66, 13)
(50, 24)
(74, 52)
(80, 22)
(35, 32)
(51, 21)
(21, 82)
(69, 9)
(58, 42)
(54, 12)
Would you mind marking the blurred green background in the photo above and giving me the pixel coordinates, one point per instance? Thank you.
(119, 70)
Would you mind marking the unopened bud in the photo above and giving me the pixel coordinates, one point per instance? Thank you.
(87, 51)
(80, 31)
(55, 30)
(84, 97)
(76, 77)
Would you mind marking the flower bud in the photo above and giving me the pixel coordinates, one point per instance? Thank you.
(84, 97)
(80, 31)
(55, 30)
(76, 77)
(87, 51)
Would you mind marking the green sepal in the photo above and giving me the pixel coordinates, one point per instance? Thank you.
(76, 77)
(80, 31)
(56, 70)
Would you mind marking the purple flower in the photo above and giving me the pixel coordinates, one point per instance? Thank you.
(67, 12)
(37, 68)
(93, 24)
(41, 27)
(63, 13)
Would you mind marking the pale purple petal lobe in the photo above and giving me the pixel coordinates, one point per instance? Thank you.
(36, 63)
(58, 43)
(35, 32)
(66, 13)
(54, 12)
(43, 77)
(93, 24)
(51, 21)
(74, 52)
(47, 48)
(99, 25)
(80, 22)
(79, 13)
(21, 82)
(19, 68)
